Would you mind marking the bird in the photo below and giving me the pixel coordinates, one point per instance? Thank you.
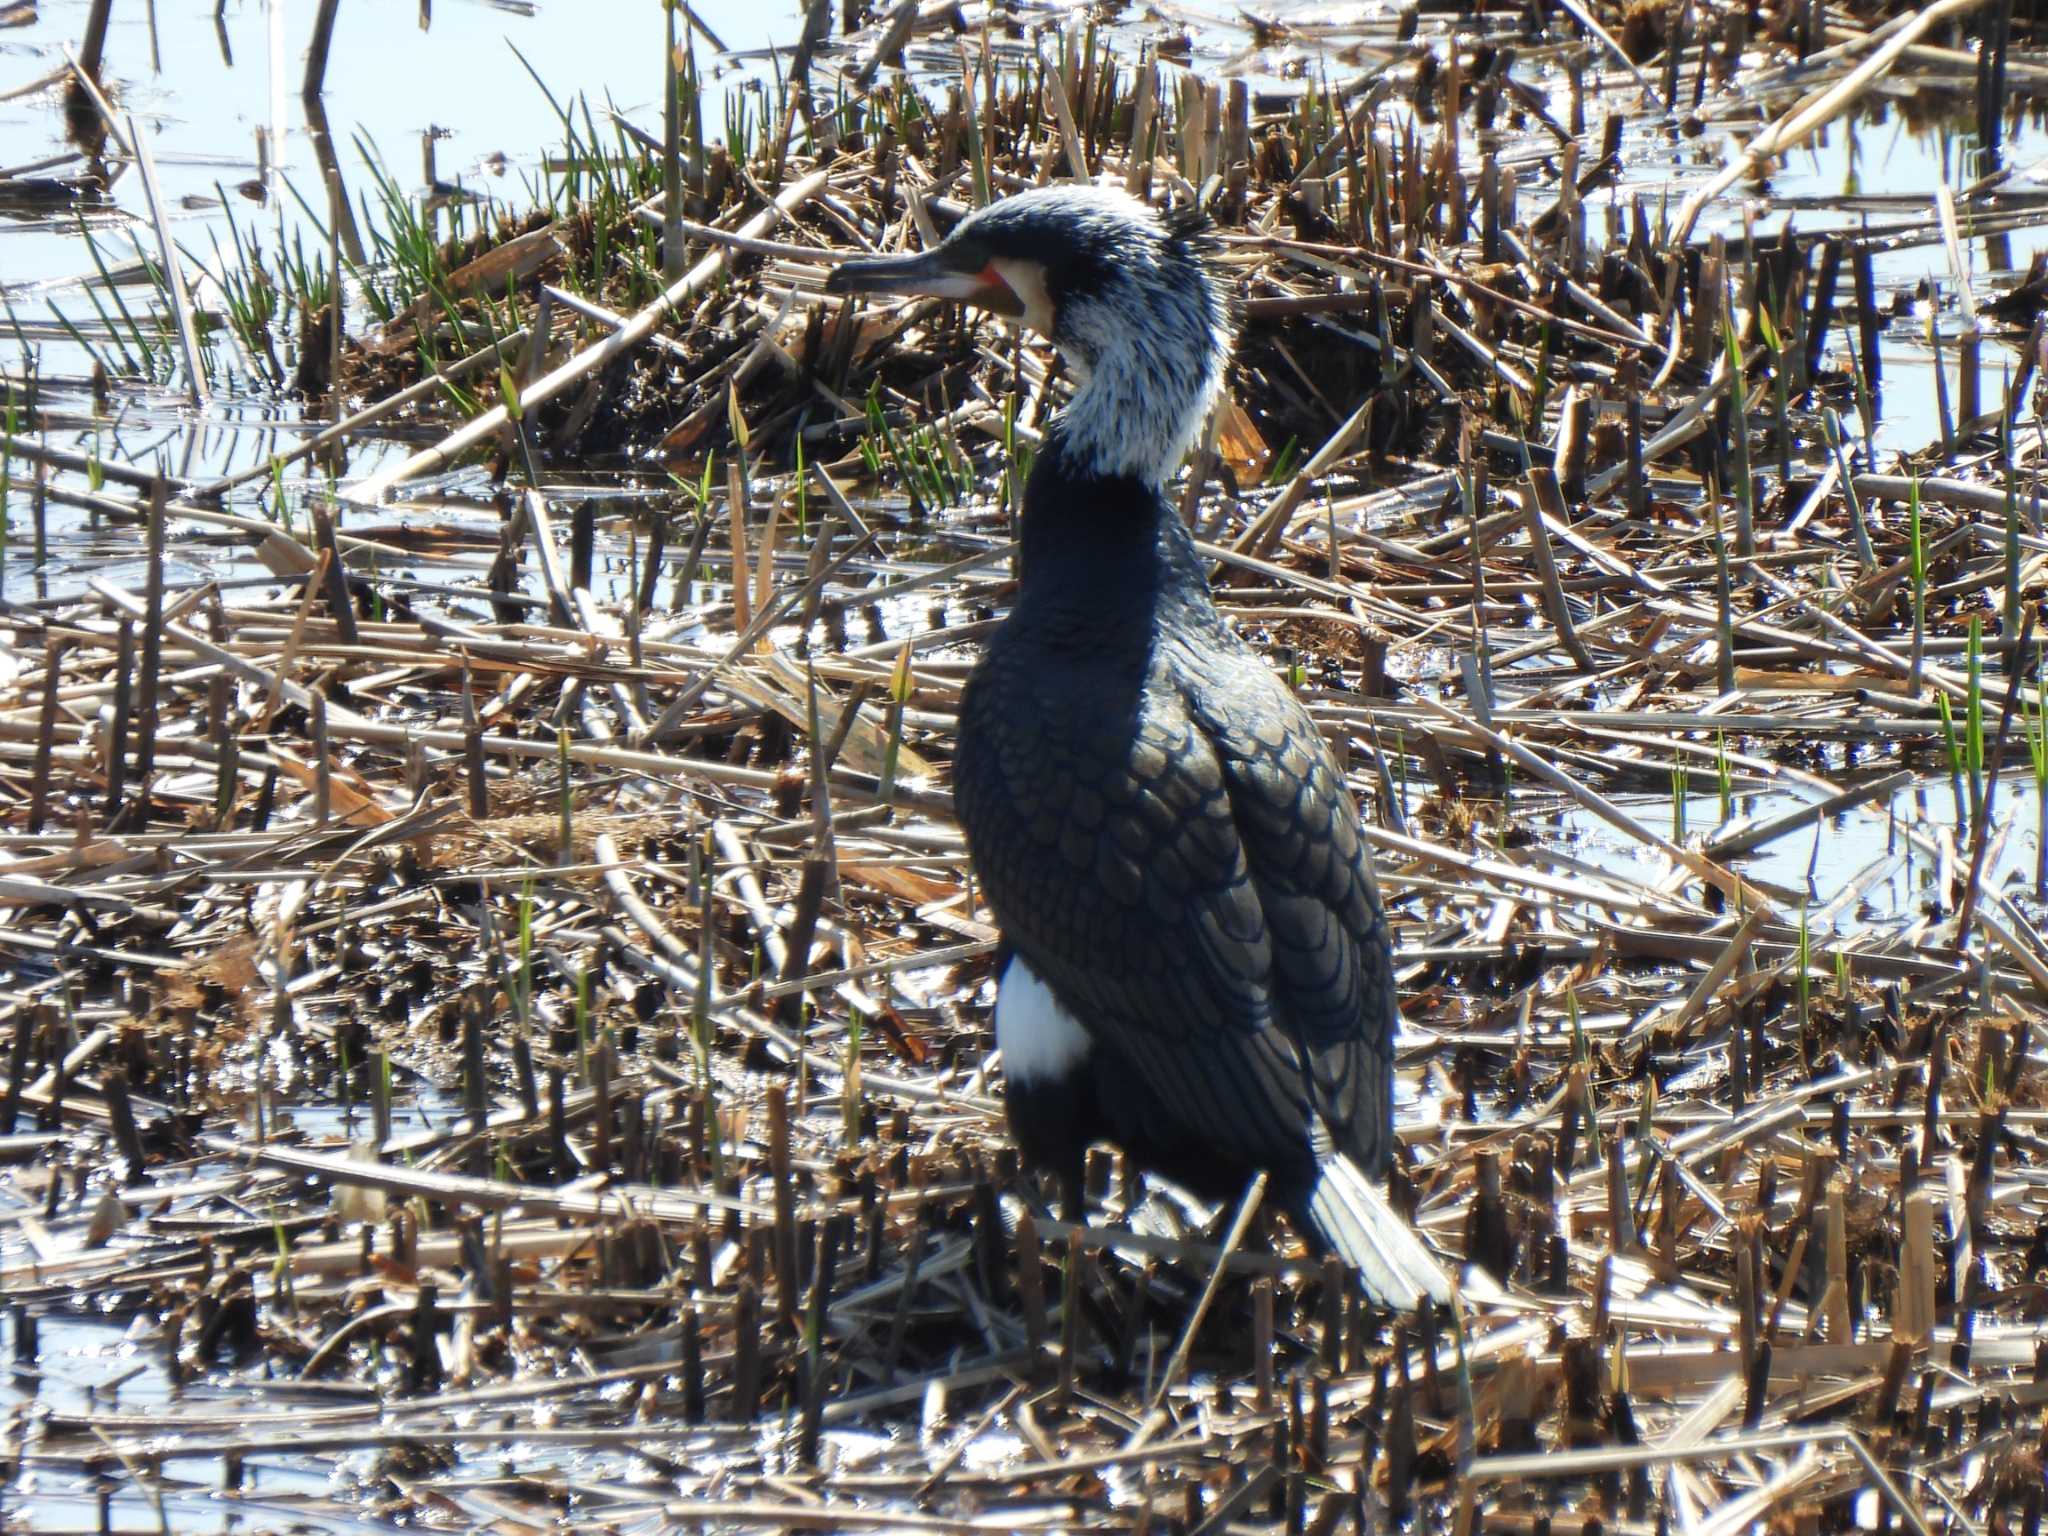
(1194, 962)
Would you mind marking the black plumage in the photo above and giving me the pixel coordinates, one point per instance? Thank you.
(1155, 820)
(1160, 832)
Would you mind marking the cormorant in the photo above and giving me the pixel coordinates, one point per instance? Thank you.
(1196, 964)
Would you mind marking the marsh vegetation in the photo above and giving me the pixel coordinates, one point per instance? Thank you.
(494, 1005)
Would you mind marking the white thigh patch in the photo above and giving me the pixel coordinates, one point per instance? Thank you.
(1039, 1039)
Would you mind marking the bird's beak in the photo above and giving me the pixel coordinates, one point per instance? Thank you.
(929, 275)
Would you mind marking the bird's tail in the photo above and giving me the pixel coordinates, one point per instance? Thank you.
(1364, 1231)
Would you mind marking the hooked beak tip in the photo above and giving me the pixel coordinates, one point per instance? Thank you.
(901, 274)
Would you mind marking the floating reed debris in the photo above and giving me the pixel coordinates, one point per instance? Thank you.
(493, 994)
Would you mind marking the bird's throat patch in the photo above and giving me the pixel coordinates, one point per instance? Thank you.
(1026, 279)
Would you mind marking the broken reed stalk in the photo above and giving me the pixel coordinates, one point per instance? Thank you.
(93, 47)
(316, 53)
(148, 718)
(173, 270)
(1240, 1223)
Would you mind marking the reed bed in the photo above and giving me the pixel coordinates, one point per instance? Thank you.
(497, 1011)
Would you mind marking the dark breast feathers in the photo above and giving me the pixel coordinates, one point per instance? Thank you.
(1164, 839)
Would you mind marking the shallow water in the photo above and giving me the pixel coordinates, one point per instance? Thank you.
(1818, 863)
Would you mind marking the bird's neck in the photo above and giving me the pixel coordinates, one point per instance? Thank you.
(1101, 551)
(1138, 409)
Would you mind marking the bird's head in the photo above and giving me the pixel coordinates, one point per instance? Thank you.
(1124, 292)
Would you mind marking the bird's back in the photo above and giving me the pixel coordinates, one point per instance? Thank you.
(1165, 842)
